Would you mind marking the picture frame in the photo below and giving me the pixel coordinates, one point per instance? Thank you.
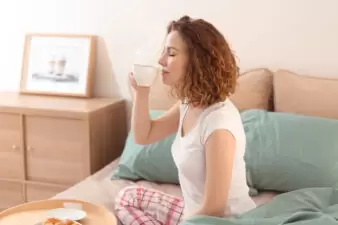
(58, 65)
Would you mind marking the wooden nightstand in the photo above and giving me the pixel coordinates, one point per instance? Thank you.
(48, 144)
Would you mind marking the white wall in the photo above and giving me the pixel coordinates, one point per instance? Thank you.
(300, 35)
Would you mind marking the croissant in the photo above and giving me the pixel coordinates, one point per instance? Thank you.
(54, 221)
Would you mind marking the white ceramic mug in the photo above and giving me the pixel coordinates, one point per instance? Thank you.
(60, 66)
(51, 66)
(145, 75)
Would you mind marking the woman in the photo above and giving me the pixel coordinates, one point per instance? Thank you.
(201, 69)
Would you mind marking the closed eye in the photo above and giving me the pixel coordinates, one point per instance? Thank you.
(171, 51)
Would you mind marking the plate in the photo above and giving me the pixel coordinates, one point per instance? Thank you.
(37, 211)
(41, 223)
(67, 213)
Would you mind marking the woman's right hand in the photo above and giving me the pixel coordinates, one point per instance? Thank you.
(135, 87)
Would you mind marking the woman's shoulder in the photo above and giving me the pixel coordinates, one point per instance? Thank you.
(223, 111)
(226, 116)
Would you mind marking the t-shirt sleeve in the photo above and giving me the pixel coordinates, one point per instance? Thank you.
(216, 121)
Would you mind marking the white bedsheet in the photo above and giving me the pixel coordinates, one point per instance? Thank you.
(100, 189)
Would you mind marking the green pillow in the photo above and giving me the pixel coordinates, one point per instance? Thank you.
(152, 162)
(289, 151)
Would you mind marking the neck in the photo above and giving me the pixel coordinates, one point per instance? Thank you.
(195, 106)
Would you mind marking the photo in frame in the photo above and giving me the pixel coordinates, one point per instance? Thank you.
(58, 64)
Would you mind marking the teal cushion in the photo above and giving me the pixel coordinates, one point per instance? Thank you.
(289, 151)
(152, 162)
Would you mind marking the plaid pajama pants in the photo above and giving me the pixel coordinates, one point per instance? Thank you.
(143, 206)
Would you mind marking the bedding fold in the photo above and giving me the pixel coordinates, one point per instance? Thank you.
(308, 206)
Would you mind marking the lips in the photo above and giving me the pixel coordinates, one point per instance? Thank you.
(164, 72)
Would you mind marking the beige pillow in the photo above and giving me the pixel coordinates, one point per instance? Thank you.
(307, 95)
(254, 90)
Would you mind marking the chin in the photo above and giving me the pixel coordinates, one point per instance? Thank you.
(167, 80)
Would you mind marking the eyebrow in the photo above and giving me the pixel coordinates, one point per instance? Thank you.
(171, 47)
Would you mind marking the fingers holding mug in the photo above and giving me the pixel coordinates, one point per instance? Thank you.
(132, 81)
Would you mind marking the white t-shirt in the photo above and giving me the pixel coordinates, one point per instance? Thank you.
(189, 156)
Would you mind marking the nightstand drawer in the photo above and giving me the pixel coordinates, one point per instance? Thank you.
(11, 150)
(56, 149)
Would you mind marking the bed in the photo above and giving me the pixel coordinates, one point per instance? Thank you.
(281, 91)
(100, 189)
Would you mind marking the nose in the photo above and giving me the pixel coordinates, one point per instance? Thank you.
(162, 61)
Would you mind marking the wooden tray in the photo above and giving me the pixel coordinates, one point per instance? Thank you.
(35, 212)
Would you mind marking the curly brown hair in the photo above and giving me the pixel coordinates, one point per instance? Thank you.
(211, 70)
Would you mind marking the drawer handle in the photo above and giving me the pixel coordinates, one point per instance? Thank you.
(15, 147)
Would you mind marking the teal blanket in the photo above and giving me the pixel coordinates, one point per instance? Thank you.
(311, 206)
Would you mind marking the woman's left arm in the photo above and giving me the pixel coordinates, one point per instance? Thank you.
(219, 152)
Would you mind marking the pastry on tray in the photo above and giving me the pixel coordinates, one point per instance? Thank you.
(54, 221)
